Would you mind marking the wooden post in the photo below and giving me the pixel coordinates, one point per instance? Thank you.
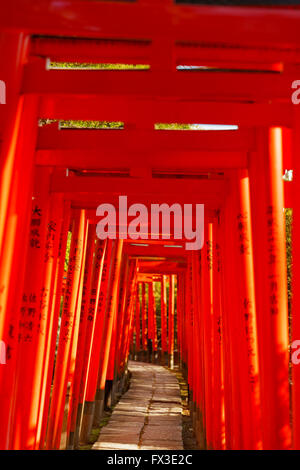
(66, 332)
(296, 281)
(171, 320)
(267, 199)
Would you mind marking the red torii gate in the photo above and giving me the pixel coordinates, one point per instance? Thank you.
(232, 295)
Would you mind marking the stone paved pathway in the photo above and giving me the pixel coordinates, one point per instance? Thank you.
(148, 416)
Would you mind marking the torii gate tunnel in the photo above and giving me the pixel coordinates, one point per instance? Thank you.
(163, 102)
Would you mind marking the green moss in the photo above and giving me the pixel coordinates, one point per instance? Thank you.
(94, 66)
(174, 126)
(68, 251)
(91, 124)
(79, 124)
(95, 433)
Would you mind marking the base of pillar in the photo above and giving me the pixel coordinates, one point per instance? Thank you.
(77, 428)
(199, 431)
(87, 421)
(171, 361)
(99, 406)
(108, 395)
(71, 439)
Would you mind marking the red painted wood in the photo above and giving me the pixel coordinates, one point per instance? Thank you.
(146, 112)
(196, 85)
(242, 25)
(114, 159)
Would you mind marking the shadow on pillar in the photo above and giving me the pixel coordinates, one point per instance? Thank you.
(64, 439)
(99, 406)
(87, 420)
(197, 422)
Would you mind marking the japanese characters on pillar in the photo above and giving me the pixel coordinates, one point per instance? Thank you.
(17, 176)
(54, 319)
(33, 317)
(250, 384)
(68, 319)
(80, 367)
(271, 287)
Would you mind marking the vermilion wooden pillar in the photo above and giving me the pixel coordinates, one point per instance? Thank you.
(207, 381)
(233, 410)
(190, 337)
(111, 308)
(218, 404)
(55, 310)
(246, 319)
(126, 271)
(181, 288)
(296, 279)
(89, 404)
(194, 336)
(54, 228)
(111, 373)
(180, 314)
(198, 350)
(62, 439)
(13, 254)
(137, 321)
(144, 317)
(221, 334)
(73, 350)
(171, 320)
(207, 293)
(155, 339)
(150, 312)
(80, 359)
(123, 335)
(287, 163)
(14, 48)
(267, 199)
(163, 306)
(202, 357)
(226, 350)
(33, 320)
(189, 327)
(94, 352)
(111, 377)
(179, 318)
(128, 323)
(152, 335)
(130, 340)
(66, 332)
(98, 346)
(131, 324)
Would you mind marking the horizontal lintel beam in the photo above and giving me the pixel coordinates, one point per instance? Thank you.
(149, 112)
(159, 160)
(195, 85)
(50, 138)
(153, 250)
(245, 25)
(190, 189)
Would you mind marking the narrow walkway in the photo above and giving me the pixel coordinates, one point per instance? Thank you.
(148, 416)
